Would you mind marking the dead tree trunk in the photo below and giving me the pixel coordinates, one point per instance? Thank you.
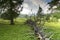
(39, 34)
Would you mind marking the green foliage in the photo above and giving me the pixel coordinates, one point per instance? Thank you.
(10, 5)
(53, 2)
(7, 15)
(2, 2)
(57, 15)
(58, 8)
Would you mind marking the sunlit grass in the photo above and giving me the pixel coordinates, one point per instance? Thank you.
(16, 32)
(53, 24)
(21, 31)
(16, 21)
(55, 28)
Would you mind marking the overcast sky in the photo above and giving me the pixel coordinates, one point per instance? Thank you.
(33, 5)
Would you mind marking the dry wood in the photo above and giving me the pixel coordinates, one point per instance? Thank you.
(39, 34)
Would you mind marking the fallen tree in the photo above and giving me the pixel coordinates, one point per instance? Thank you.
(38, 31)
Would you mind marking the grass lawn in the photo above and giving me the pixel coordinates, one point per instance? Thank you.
(16, 32)
(55, 28)
(20, 31)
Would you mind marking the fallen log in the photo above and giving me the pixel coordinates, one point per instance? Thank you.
(39, 34)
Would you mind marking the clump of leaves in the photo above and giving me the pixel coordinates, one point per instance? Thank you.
(7, 15)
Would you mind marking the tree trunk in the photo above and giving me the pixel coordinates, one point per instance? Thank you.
(11, 13)
(12, 21)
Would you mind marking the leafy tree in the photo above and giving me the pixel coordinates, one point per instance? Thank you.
(6, 15)
(57, 15)
(10, 9)
(54, 2)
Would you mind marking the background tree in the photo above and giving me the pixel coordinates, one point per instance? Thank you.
(54, 3)
(10, 9)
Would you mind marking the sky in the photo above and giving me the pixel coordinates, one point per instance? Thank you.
(48, 0)
(31, 6)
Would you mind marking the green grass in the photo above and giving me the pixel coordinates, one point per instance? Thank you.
(20, 31)
(55, 28)
(16, 32)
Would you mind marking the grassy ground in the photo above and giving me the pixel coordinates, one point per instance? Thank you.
(20, 31)
(55, 28)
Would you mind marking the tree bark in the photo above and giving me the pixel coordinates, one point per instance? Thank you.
(11, 13)
(12, 21)
(39, 35)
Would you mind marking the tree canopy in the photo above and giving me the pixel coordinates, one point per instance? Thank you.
(10, 9)
(54, 2)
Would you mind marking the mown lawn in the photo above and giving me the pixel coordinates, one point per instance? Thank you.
(20, 31)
